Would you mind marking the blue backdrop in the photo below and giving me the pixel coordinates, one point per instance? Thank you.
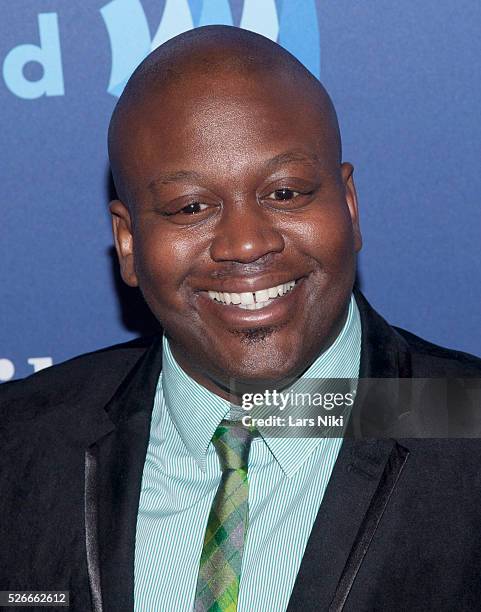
(405, 78)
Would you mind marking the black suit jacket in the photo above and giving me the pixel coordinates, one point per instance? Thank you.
(399, 527)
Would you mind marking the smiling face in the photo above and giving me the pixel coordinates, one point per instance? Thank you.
(241, 227)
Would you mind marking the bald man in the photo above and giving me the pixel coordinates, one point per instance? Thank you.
(130, 477)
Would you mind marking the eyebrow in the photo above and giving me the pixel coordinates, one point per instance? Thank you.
(173, 177)
(274, 162)
(292, 156)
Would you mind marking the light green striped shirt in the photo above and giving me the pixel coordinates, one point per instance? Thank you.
(287, 481)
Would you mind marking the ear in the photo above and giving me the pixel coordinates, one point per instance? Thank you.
(124, 242)
(347, 171)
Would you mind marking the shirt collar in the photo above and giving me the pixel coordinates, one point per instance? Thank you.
(196, 412)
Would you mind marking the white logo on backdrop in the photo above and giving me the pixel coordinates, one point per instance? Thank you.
(7, 367)
(33, 70)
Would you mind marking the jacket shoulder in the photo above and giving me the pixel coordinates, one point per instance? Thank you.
(99, 372)
(429, 359)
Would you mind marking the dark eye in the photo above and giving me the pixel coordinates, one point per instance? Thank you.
(283, 194)
(193, 208)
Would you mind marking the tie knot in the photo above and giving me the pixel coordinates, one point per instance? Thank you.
(232, 441)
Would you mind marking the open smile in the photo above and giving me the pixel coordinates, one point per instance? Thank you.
(255, 300)
(269, 306)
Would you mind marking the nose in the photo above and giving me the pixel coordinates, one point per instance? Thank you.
(245, 233)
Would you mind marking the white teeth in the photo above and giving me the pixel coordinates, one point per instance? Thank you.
(247, 298)
(262, 295)
(252, 301)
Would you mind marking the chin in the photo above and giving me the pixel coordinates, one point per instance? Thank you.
(276, 369)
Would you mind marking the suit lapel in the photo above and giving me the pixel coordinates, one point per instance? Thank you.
(113, 477)
(362, 482)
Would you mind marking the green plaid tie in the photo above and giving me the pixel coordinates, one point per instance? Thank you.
(221, 559)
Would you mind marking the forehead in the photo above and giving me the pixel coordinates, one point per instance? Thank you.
(229, 120)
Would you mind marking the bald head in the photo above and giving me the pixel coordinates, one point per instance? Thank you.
(205, 60)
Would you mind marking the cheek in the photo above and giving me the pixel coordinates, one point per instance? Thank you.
(327, 236)
(162, 263)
